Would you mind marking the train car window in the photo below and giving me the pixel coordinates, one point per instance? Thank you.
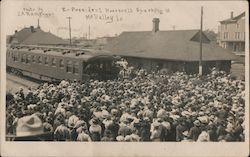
(23, 58)
(69, 67)
(39, 59)
(15, 55)
(9, 53)
(53, 62)
(33, 58)
(46, 61)
(61, 63)
(28, 58)
(76, 68)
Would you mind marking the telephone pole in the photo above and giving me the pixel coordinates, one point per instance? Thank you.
(69, 30)
(200, 60)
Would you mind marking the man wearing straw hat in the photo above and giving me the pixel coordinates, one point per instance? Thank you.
(30, 128)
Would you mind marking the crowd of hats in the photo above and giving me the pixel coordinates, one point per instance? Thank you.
(147, 107)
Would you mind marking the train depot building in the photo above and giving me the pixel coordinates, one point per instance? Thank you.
(174, 50)
(35, 36)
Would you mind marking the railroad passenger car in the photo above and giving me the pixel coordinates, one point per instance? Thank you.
(55, 64)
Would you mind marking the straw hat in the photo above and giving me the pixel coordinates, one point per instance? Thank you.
(197, 123)
(185, 133)
(120, 138)
(30, 126)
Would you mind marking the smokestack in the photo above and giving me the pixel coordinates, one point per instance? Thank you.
(156, 22)
(38, 23)
(32, 29)
(232, 14)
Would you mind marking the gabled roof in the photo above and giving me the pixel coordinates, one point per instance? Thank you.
(37, 37)
(180, 45)
(22, 34)
(234, 19)
(40, 37)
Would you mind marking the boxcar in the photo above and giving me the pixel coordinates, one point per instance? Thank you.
(49, 64)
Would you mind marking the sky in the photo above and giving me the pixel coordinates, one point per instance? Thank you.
(109, 18)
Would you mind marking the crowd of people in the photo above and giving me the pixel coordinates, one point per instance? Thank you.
(148, 107)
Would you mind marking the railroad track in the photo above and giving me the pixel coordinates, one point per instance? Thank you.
(15, 82)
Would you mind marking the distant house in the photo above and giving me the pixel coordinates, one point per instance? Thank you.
(103, 40)
(212, 36)
(232, 33)
(35, 36)
(175, 50)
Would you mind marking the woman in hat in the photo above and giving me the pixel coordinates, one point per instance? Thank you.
(195, 131)
(47, 125)
(125, 129)
(95, 130)
(120, 139)
(180, 128)
(144, 129)
(186, 137)
(221, 130)
(107, 136)
(229, 135)
(204, 136)
(114, 127)
(62, 133)
(156, 132)
(83, 137)
(212, 132)
(238, 130)
(135, 137)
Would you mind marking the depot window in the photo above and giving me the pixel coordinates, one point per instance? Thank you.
(46, 61)
(28, 58)
(76, 68)
(23, 58)
(61, 63)
(53, 62)
(33, 58)
(69, 67)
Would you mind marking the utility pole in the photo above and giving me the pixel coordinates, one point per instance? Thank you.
(69, 30)
(200, 60)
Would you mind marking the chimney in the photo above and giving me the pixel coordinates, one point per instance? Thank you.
(156, 22)
(232, 14)
(38, 24)
(32, 29)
